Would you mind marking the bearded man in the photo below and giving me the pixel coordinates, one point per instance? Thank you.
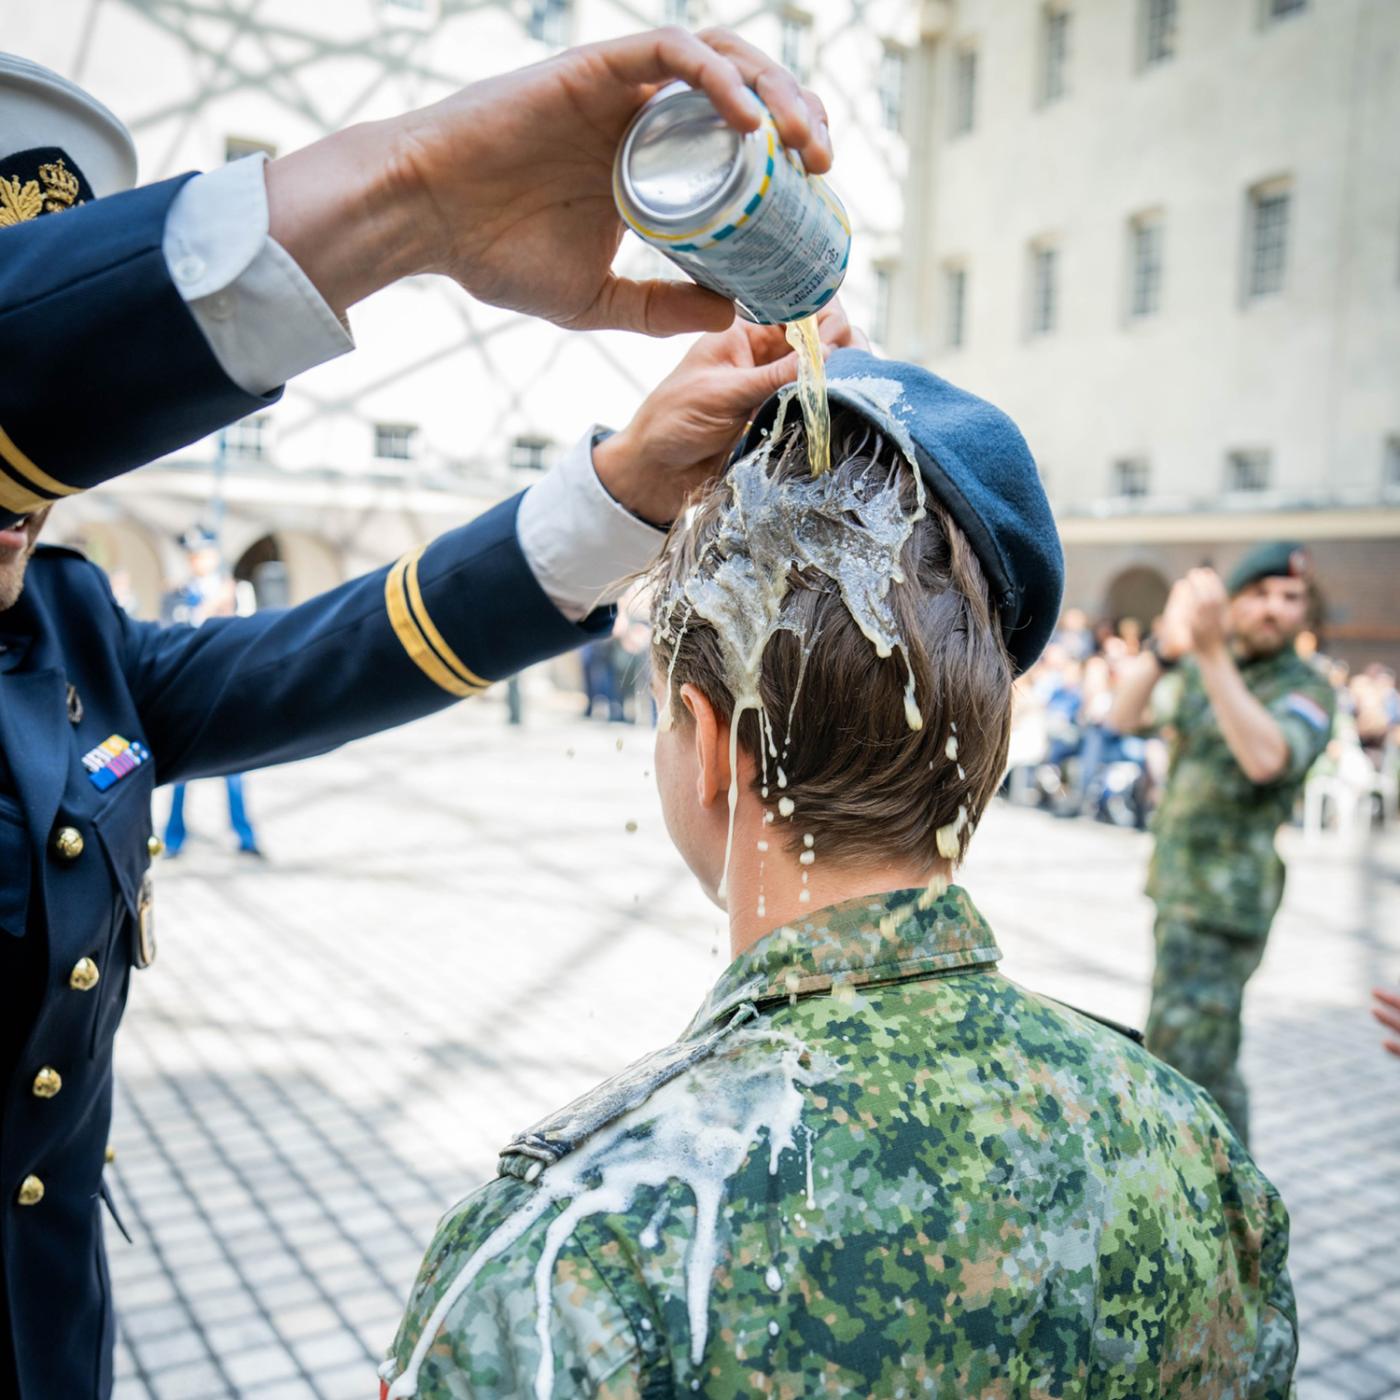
(1246, 717)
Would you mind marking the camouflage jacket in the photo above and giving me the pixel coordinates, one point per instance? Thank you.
(871, 1167)
(1214, 861)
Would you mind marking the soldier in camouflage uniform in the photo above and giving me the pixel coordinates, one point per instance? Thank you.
(1247, 718)
(871, 1166)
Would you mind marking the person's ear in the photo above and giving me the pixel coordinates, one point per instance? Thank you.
(711, 746)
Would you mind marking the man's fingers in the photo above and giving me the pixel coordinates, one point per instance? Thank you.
(802, 126)
(1387, 1010)
(660, 54)
(1389, 998)
(766, 343)
(658, 307)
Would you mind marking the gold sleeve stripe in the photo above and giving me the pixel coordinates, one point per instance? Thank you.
(411, 635)
(32, 475)
(435, 638)
(17, 499)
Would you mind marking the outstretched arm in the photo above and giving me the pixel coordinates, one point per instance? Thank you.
(144, 321)
(481, 187)
(443, 623)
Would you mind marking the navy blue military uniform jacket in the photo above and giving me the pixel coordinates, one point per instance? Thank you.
(236, 693)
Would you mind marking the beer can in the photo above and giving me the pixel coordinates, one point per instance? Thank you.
(735, 211)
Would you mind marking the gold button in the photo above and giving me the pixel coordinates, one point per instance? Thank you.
(84, 976)
(110, 1155)
(155, 846)
(68, 842)
(31, 1191)
(47, 1082)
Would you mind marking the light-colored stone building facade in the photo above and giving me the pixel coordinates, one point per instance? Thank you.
(1165, 235)
(447, 405)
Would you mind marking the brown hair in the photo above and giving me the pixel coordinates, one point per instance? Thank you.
(864, 784)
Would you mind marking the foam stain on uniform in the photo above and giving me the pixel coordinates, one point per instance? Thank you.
(851, 530)
(697, 1130)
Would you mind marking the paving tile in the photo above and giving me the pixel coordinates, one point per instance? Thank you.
(172, 1349)
(248, 1368)
(200, 1381)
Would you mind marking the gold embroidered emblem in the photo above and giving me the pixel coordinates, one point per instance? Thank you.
(60, 187)
(20, 202)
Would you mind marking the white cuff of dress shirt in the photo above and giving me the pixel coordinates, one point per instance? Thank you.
(258, 310)
(580, 543)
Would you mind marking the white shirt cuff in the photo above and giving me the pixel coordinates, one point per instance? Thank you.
(258, 310)
(581, 544)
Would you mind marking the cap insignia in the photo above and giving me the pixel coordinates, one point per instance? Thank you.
(54, 189)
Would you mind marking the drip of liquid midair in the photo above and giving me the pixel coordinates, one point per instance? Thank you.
(805, 338)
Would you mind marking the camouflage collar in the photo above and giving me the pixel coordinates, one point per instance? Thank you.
(871, 939)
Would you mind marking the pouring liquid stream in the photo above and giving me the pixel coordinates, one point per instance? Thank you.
(805, 338)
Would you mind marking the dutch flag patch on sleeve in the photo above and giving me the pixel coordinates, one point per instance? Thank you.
(1307, 710)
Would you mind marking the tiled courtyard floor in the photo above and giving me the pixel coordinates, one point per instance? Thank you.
(456, 931)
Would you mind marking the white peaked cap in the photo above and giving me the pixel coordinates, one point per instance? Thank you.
(39, 108)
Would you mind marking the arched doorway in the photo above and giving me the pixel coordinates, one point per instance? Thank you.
(288, 567)
(1138, 592)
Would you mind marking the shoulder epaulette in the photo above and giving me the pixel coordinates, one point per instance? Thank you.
(540, 1146)
(1131, 1032)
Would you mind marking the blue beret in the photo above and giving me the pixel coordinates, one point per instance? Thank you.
(1277, 559)
(977, 466)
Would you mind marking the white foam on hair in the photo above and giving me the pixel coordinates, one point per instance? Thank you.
(849, 527)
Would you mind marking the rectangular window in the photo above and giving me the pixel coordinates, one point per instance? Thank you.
(550, 21)
(396, 442)
(892, 87)
(677, 12)
(530, 453)
(248, 439)
(1158, 28)
(1248, 470)
(955, 302)
(1132, 476)
(963, 117)
(1145, 251)
(1054, 53)
(236, 147)
(795, 49)
(1268, 240)
(1391, 470)
(1044, 292)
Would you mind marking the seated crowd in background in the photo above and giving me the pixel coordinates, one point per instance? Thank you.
(1065, 758)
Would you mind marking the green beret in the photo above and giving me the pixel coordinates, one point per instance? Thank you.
(1277, 559)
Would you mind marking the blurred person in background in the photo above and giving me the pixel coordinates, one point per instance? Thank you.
(1247, 718)
(206, 591)
(175, 309)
